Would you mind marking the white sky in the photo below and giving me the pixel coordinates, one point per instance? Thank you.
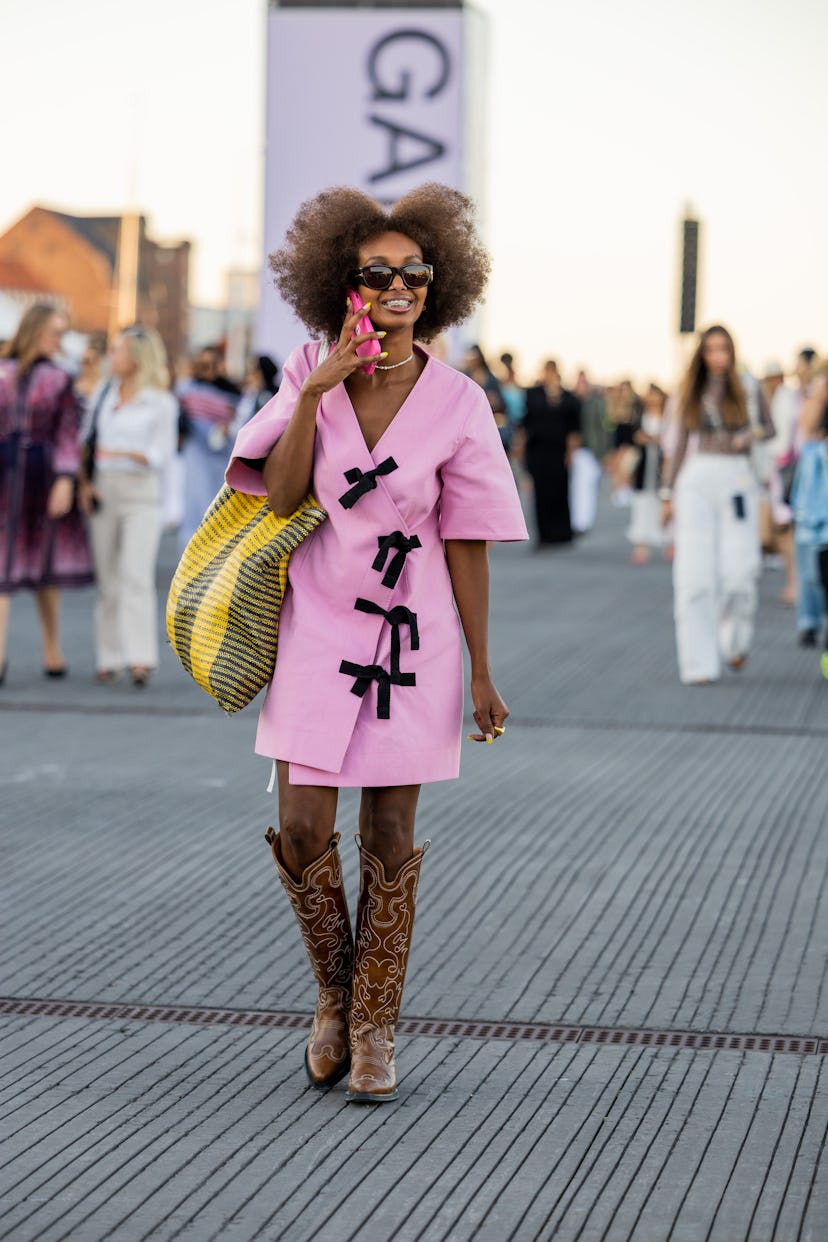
(604, 119)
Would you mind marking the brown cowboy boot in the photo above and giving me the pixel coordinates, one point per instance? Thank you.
(385, 921)
(321, 910)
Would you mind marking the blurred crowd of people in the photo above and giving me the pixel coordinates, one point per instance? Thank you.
(96, 459)
(726, 470)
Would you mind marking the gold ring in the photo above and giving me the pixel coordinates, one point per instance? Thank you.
(500, 731)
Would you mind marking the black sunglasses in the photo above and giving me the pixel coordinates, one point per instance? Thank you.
(381, 275)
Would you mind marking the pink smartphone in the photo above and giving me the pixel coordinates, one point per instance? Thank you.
(369, 349)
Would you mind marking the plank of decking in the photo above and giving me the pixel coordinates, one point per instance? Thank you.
(633, 856)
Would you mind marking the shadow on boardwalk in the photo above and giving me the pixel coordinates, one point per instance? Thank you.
(621, 927)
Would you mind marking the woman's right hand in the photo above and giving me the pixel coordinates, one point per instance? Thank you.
(343, 359)
(666, 512)
(61, 495)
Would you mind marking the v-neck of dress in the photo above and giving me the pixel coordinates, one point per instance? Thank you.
(372, 451)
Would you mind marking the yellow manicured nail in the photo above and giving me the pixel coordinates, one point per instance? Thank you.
(489, 738)
(384, 354)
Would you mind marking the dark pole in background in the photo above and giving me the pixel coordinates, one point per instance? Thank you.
(690, 228)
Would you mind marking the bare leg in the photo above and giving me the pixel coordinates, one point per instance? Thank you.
(5, 609)
(785, 543)
(48, 606)
(307, 816)
(386, 824)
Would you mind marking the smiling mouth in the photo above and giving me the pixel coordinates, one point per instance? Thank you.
(398, 303)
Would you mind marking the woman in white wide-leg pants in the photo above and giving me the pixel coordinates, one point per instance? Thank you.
(712, 497)
(134, 439)
(716, 566)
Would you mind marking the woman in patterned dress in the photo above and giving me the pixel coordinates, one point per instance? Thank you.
(43, 542)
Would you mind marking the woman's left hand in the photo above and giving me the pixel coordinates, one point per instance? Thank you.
(61, 495)
(490, 712)
(89, 498)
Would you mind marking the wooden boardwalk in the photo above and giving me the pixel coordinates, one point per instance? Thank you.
(616, 1016)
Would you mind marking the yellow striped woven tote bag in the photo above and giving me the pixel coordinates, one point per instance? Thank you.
(226, 594)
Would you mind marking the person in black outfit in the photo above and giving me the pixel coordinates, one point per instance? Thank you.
(552, 426)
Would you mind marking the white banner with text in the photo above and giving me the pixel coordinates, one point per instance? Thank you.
(365, 97)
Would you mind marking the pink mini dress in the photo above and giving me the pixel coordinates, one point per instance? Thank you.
(368, 685)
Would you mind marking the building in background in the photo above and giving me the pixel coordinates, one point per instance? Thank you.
(379, 94)
(104, 270)
(19, 289)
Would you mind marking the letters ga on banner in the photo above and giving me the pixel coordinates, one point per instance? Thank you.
(367, 97)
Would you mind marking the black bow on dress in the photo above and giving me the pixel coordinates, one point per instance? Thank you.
(402, 545)
(364, 482)
(366, 673)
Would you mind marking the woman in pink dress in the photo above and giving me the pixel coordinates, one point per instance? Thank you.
(368, 687)
(43, 543)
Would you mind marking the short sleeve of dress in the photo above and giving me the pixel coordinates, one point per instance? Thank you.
(479, 499)
(257, 437)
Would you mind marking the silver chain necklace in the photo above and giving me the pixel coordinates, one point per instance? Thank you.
(392, 366)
